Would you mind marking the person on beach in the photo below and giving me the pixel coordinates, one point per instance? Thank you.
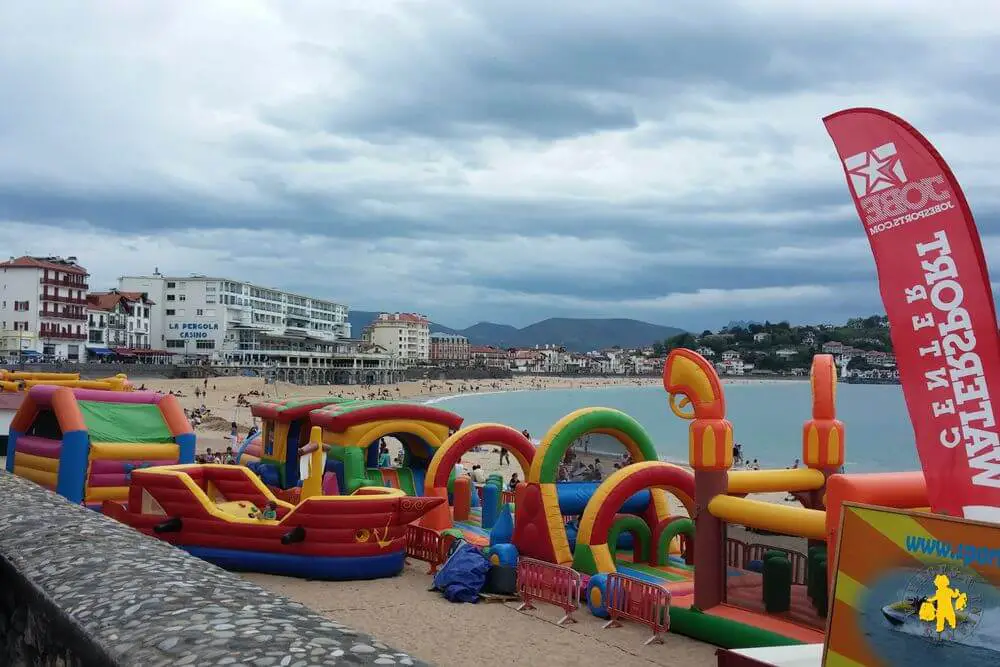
(230, 457)
(514, 481)
(384, 459)
(478, 476)
(504, 456)
(233, 431)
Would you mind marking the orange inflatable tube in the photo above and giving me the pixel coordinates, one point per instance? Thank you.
(900, 490)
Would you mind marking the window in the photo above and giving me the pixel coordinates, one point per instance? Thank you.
(175, 344)
(170, 311)
(171, 285)
(21, 305)
(199, 311)
(209, 299)
(182, 297)
(170, 297)
(205, 344)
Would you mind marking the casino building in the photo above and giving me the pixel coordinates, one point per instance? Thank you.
(225, 322)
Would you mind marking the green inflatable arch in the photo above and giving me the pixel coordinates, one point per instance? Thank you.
(575, 425)
(642, 536)
(675, 528)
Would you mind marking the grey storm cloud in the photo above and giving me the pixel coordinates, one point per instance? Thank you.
(481, 160)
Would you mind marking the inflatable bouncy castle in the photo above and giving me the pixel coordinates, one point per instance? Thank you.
(351, 429)
(85, 443)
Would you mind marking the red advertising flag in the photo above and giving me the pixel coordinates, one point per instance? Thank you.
(936, 291)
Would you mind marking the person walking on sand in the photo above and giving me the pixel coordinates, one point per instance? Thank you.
(504, 456)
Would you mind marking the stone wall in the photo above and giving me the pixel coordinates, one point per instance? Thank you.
(90, 370)
(79, 589)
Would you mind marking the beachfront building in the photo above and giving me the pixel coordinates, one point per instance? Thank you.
(231, 323)
(118, 325)
(527, 361)
(43, 309)
(487, 356)
(449, 349)
(407, 336)
(732, 364)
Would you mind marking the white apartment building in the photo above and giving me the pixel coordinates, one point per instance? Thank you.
(230, 322)
(43, 308)
(217, 318)
(406, 336)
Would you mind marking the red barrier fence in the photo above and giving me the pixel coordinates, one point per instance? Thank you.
(426, 545)
(506, 497)
(546, 582)
(638, 601)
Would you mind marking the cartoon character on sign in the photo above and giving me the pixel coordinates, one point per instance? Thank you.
(940, 608)
(941, 602)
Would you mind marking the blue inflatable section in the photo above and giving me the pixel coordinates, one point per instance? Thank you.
(246, 443)
(330, 568)
(419, 475)
(268, 473)
(574, 496)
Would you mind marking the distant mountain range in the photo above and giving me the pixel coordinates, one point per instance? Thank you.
(578, 335)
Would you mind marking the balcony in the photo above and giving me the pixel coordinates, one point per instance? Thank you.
(46, 332)
(63, 282)
(54, 314)
(54, 298)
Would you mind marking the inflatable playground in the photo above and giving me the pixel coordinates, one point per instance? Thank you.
(337, 514)
(735, 592)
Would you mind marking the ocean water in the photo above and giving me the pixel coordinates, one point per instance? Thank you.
(767, 419)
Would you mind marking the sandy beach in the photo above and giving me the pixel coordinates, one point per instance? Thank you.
(401, 611)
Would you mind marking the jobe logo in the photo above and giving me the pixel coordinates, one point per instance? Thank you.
(886, 196)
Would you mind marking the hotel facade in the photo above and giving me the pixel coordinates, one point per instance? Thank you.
(225, 322)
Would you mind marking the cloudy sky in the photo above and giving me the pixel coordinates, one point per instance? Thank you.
(483, 160)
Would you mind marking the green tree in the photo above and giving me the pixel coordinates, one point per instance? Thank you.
(681, 340)
(769, 363)
(659, 349)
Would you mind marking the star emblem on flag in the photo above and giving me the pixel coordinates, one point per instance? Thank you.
(875, 170)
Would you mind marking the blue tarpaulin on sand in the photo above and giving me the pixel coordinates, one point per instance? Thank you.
(463, 575)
